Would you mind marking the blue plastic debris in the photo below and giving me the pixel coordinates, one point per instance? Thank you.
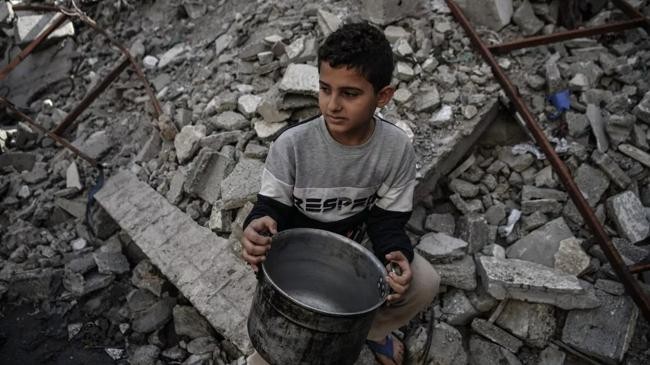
(561, 100)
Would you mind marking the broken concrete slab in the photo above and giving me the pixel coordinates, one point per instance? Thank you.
(496, 335)
(459, 274)
(642, 110)
(29, 27)
(247, 104)
(208, 171)
(229, 121)
(604, 332)
(535, 323)
(96, 145)
(532, 282)
(446, 340)
(473, 228)
(526, 19)
(300, 79)
(442, 223)
(597, 123)
(611, 169)
(199, 263)
(628, 214)
(441, 248)
(384, 12)
(494, 14)
(187, 142)
(242, 184)
(637, 154)
(487, 353)
(541, 245)
(328, 22)
(456, 308)
(570, 258)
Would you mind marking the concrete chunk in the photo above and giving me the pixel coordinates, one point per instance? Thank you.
(300, 79)
(447, 341)
(441, 248)
(611, 169)
(198, 262)
(488, 353)
(635, 153)
(642, 110)
(628, 214)
(6, 12)
(604, 332)
(328, 22)
(496, 335)
(526, 19)
(29, 27)
(494, 14)
(208, 171)
(384, 12)
(242, 184)
(457, 309)
(535, 323)
(598, 127)
(541, 245)
(460, 274)
(524, 280)
(571, 258)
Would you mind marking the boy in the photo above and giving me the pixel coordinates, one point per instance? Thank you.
(346, 170)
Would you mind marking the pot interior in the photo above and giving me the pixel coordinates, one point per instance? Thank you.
(325, 272)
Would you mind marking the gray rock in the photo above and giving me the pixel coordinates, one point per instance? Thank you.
(495, 214)
(542, 206)
(533, 221)
(174, 353)
(551, 356)
(6, 12)
(487, 353)
(37, 174)
(518, 163)
(554, 80)
(220, 219)
(201, 345)
(404, 72)
(459, 274)
(139, 300)
(474, 229)
(611, 169)
(427, 101)
(247, 105)
(175, 192)
(541, 245)
(441, 248)
(446, 340)
(154, 317)
(494, 250)
(604, 332)
(494, 14)
(328, 22)
(570, 258)
(524, 280)
(266, 130)
(466, 207)
(635, 153)
(589, 70)
(81, 264)
(442, 223)
(481, 300)
(384, 12)
(188, 322)
(464, 188)
(37, 284)
(230, 120)
(578, 124)
(96, 145)
(619, 127)
(457, 309)
(187, 142)
(221, 103)
(627, 213)
(393, 33)
(195, 9)
(145, 277)
(529, 192)
(144, 355)
(402, 48)
(526, 19)
(642, 110)
(208, 171)
(174, 55)
(598, 127)
(111, 262)
(300, 79)
(242, 184)
(29, 27)
(610, 286)
(496, 335)
(533, 322)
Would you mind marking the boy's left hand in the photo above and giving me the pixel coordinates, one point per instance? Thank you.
(399, 283)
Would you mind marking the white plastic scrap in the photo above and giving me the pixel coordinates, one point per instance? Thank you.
(513, 218)
(522, 148)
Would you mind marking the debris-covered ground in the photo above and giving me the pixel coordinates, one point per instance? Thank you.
(523, 280)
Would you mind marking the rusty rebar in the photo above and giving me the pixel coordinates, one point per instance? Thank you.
(56, 138)
(632, 13)
(94, 93)
(640, 267)
(619, 266)
(563, 36)
(59, 20)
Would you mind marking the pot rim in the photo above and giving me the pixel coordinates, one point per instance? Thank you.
(354, 245)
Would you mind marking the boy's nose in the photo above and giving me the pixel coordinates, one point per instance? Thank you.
(334, 104)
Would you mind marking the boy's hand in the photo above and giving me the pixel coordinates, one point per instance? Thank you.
(399, 283)
(256, 241)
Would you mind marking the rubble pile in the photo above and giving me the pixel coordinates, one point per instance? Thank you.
(520, 270)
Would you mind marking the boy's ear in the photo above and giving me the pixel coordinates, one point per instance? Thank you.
(384, 95)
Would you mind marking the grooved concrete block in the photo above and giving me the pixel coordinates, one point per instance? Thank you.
(384, 12)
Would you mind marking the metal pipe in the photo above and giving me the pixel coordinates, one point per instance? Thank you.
(563, 36)
(640, 267)
(94, 93)
(631, 12)
(58, 139)
(58, 21)
(632, 286)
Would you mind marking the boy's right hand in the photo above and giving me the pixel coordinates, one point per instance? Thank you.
(256, 241)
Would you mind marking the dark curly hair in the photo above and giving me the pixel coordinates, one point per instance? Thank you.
(363, 47)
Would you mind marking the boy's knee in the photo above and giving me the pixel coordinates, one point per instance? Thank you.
(428, 280)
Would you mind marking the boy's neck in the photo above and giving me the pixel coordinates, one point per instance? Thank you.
(354, 137)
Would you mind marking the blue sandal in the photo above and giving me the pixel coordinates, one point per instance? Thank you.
(386, 349)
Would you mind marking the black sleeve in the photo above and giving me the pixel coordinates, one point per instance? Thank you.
(387, 234)
(271, 207)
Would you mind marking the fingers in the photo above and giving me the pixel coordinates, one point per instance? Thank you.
(264, 225)
(253, 248)
(254, 243)
(398, 258)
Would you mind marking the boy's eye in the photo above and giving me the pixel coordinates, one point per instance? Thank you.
(324, 89)
(350, 93)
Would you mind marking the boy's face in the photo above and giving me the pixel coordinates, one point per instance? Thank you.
(347, 100)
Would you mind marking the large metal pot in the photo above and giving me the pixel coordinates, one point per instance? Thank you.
(315, 300)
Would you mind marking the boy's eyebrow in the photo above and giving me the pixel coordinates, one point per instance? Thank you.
(347, 88)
